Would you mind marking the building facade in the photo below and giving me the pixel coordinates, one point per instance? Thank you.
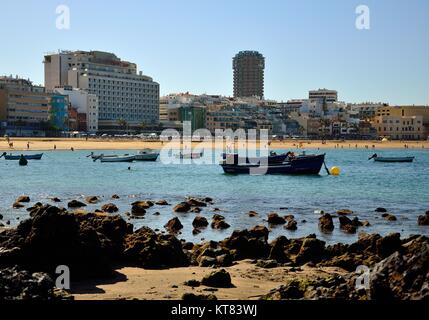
(248, 68)
(85, 104)
(25, 109)
(324, 95)
(123, 94)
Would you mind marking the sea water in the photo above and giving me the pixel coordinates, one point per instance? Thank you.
(362, 186)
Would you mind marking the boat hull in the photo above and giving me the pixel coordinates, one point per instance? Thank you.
(299, 165)
(391, 159)
(27, 157)
(147, 157)
(118, 159)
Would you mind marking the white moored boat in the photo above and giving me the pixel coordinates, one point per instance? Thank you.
(147, 155)
(116, 158)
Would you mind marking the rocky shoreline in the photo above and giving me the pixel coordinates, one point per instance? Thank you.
(95, 244)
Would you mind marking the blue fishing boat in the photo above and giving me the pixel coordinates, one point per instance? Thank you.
(301, 164)
(37, 156)
(273, 157)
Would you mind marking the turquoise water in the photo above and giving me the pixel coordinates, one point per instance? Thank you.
(402, 188)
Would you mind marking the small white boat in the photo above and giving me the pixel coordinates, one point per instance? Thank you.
(391, 159)
(190, 155)
(115, 158)
(147, 155)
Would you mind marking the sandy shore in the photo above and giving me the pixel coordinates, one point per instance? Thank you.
(250, 282)
(44, 144)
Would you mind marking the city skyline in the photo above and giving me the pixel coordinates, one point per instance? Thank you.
(307, 45)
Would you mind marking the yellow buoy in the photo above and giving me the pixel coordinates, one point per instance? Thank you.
(335, 171)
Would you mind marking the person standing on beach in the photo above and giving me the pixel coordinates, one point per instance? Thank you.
(55, 147)
(28, 145)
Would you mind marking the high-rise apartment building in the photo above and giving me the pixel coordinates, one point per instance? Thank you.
(325, 95)
(123, 94)
(248, 69)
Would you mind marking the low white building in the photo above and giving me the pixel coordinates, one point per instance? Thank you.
(84, 102)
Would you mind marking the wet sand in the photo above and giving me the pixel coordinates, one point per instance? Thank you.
(250, 281)
(45, 144)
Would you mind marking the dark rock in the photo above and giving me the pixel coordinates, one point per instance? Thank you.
(388, 245)
(289, 217)
(55, 199)
(277, 251)
(196, 210)
(258, 232)
(85, 243)
(1, 216)
(381, 210)
(252, 214)
(217, 279)
(344, 212)
(188, 245)
(162, 203)
(389, 217)
(423, 220)
(199, 297)
(292, 290)
(23, 199)
(274, 218)
(248, 244)
(192, 283)
(291, 225)
(347, 225)
(142, 204)
(196, 231)
(200, 222)
(156, 213)
(312, 249)
(76, 204)
(110, 208)
(17, 205)
(326, 224)
(193, 202)
(219, 222)
(115, 196)
(182, 207)
(267, 264)
(92, 199)
(18, 284)
(154, 251)
(138, 209)
(173, 225)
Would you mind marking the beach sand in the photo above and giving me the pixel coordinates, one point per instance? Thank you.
(250, 282)
(44, 144)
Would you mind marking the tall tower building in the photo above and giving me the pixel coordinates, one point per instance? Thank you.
(124, 95)
(248, 69)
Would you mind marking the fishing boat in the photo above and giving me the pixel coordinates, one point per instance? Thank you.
(301, 164)
(391, 159)
(147, 155)
(115, 158)
(273, 157)
(26, 156)
(190, 155)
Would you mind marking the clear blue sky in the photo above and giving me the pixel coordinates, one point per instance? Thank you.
(187, 45)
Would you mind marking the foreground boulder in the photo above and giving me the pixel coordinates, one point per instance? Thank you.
(18, 284)
(147, 249)
(248, 244)
(200, 222)
(217, 279)
(403, 275)
(219, 222)
(86, 243)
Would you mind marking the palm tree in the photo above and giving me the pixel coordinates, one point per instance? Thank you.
(123, 124)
